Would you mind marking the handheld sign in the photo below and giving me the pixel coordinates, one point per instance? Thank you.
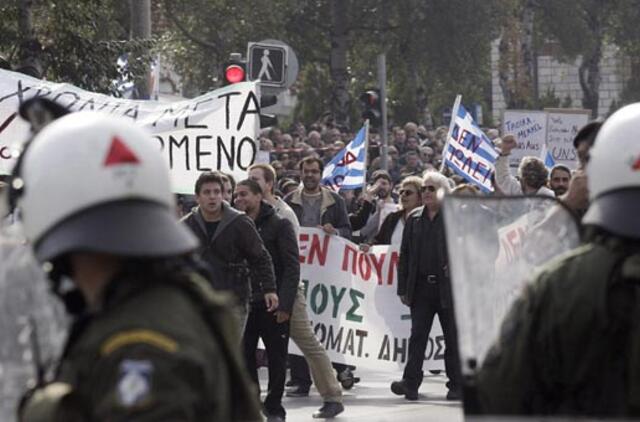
(562, 127)
(530, 130)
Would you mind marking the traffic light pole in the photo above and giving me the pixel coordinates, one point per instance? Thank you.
(382, 86)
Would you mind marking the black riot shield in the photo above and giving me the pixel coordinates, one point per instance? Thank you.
(496, 245)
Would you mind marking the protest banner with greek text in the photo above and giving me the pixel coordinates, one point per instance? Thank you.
(216, 131)
(353, 305)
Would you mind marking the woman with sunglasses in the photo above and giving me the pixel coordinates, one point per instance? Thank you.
(390, 232)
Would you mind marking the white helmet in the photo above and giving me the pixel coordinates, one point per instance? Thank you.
(94, 182)
(614, 174)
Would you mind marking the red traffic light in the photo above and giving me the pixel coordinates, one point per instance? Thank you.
(370, 98)
(234, 74)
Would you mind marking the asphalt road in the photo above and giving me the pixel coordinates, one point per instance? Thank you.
(371, 400)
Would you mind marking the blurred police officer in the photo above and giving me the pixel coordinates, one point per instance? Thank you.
(150, 340)
(571, 343)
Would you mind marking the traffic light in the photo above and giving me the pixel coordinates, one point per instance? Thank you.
(235, 70)
(371, 106)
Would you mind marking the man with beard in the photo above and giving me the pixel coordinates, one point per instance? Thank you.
(319, 207)
(559, 179)
(273, 327)
(377, 204)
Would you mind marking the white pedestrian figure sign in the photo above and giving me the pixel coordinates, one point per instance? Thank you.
(266, 64)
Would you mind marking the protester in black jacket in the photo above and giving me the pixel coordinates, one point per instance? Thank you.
(424, 285)
(280, 240)
(230, 244)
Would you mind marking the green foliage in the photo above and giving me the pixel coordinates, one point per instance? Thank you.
(81, 41)
(438, 48)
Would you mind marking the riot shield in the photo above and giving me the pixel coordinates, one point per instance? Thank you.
(32, 320)
(496, 245)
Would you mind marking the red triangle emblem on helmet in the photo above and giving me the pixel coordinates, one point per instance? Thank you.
(119, 153)
(636, 164)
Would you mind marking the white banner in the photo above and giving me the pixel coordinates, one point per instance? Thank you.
(216, 131)
(353, 305)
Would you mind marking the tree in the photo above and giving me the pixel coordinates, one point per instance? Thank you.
(78, 42)
(435, 49)
(583, 32)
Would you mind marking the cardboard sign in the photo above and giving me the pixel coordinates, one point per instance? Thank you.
(562, 127)
(530, 129)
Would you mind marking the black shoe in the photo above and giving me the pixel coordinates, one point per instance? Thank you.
(290, 383)
(328, 410)
(298, 391)
(275, 418)
(411, 394)
(454, 395)
(399, 388)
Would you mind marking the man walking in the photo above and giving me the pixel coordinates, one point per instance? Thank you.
(318, 207)
(424, 286)
(230, 244)
(273, 327)
(300, 327)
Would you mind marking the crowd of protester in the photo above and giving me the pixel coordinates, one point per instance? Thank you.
(397, 205)
(248, 230)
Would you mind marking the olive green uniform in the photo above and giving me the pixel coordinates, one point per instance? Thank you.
(571, 343)
(162, 351)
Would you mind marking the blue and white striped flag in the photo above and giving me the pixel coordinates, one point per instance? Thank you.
(547, 157)
(469, 152)
(347, 170)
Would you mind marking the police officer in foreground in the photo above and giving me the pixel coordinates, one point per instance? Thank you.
(150, 340)
(571, 343)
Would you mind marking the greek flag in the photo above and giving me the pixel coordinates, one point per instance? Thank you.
(547, 157)
(347, 170)
(469, 152)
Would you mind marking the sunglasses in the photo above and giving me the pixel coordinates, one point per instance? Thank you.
(428, 188)
(406, 192)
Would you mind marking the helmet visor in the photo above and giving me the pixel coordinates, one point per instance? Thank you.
(135, 228)
(616, 212)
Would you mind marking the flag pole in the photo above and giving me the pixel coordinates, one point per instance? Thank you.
(366, 153)
(454, 113)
